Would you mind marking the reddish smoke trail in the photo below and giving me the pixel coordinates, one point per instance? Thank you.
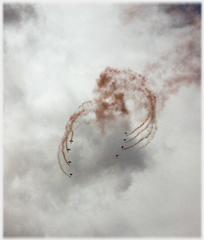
(114, 88)
(138, 127)
(150, 137)
(146, 137)
(150, 117)
(61, 165)
(83, 110)
(139, 132)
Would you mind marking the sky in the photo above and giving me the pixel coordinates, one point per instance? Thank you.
(55, 55)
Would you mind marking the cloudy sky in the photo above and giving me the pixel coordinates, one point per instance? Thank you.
(53, 56)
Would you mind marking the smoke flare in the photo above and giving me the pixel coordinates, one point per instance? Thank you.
(113, 91)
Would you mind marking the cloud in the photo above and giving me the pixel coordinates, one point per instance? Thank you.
(179, 23)
(182, 15)
(16, 14)
(51, 69)
(113, 89)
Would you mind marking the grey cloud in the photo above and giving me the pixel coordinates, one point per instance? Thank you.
(28, 226)
(115, 228)
(15, 14)
(94, 157)
(182, 14)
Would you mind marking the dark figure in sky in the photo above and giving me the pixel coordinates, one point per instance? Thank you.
(122, 147)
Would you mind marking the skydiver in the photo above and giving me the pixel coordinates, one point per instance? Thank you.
(71, 141)
(124, 139)
(68, 149)
(69, 162)
(122, 147)
(70, 174)
(125, 132)
(116, 156)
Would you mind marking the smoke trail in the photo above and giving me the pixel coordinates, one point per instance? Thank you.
(179, 61)
(114, 88)
(177, 66)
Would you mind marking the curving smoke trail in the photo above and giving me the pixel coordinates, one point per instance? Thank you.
(113, 91)
(178, 65)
